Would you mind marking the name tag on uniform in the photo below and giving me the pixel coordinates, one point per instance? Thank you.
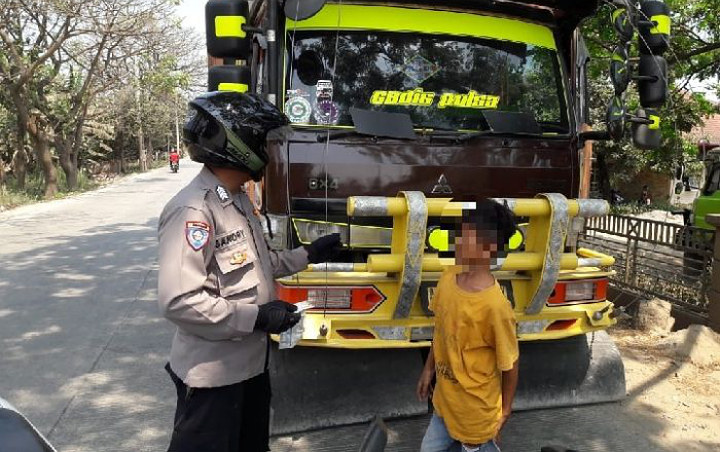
(231, 238)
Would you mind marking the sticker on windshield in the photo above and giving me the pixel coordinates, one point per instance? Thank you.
(420, 69)
(326, 112)
(298, 110)
(470, 100)
(324, 90)
(419, 98)
(411, 98)
(296, 93)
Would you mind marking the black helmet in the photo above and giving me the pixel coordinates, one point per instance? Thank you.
(228, 129)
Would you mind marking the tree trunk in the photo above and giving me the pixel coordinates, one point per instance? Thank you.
(19, 165)
(68, 160)
(41, 142)
(70, 170)
(142, 152)
(20, 157)
(149, 153)
(66, 149)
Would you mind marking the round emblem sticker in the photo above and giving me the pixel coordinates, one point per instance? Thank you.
(326, 112)
(298, 110)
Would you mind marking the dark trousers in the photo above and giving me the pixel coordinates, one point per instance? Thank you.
(234, 418)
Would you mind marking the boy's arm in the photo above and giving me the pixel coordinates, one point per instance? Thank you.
(424, 387)
(430, 361)
(507, 355)
(509, 384)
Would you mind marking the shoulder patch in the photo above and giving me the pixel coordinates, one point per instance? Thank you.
(222, 193)
(197, 234)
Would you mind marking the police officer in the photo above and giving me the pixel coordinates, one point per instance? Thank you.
(216, 280)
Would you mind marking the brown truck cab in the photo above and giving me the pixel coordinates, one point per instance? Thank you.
(395, 109)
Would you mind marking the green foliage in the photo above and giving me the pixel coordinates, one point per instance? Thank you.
(634, 208)
(694, 55)
(97, 79)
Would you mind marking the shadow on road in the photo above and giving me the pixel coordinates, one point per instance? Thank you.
(83, 344)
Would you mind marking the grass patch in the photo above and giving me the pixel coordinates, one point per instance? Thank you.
(633, 208)
(12, 196)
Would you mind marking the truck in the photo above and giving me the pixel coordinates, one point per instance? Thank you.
(696, 238)
(401, 111)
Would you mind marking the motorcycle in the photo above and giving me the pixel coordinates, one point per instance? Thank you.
(174, 167)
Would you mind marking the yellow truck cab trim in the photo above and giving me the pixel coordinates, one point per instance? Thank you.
(535, 279)
(389, 18)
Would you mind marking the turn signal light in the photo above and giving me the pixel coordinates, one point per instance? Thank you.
(583, 291)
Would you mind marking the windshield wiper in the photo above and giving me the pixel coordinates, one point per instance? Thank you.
(376, 124)
(468, 136)
(332, 134)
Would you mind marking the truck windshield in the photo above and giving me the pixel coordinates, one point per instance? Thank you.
(442, 82)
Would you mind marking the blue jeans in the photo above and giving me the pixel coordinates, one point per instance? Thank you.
(437, 439)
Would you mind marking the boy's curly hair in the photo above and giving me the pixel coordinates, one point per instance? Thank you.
(490, 215)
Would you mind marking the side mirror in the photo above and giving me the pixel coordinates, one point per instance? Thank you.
(654, 27)
(302, 9)
(229, 78)
(225, 29)
(652, 81)
(679, 187)
(616, 118)
(646, 129)
(619, 71)
(622, 21)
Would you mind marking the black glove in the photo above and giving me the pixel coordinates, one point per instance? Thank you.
(324, 248)
(276, 317)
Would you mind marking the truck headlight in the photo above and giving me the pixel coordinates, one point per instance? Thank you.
(358, 236)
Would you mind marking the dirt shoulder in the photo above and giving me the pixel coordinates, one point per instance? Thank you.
(676, 377)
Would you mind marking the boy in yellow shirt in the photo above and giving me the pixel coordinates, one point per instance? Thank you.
(474, 355)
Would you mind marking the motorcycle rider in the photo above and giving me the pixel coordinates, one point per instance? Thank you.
(174, 158)
(216, 279)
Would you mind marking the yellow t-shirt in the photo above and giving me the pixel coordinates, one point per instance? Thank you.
(474, 341)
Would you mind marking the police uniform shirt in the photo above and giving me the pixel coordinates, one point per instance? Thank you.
(215, 270)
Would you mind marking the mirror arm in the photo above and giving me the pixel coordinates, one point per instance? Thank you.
(249, 29)
(637, 120)
(646, 78)
(595, 135)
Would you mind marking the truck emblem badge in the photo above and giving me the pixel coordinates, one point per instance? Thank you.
(442, 186)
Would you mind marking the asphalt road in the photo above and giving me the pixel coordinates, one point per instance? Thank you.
(82, 346)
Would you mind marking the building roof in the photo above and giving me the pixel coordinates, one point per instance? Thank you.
(709, 130)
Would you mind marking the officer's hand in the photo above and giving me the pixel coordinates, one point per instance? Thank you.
(324, 248)
(276, 317)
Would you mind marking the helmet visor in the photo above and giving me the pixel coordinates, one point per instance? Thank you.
(202, 130)
(206, 132)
